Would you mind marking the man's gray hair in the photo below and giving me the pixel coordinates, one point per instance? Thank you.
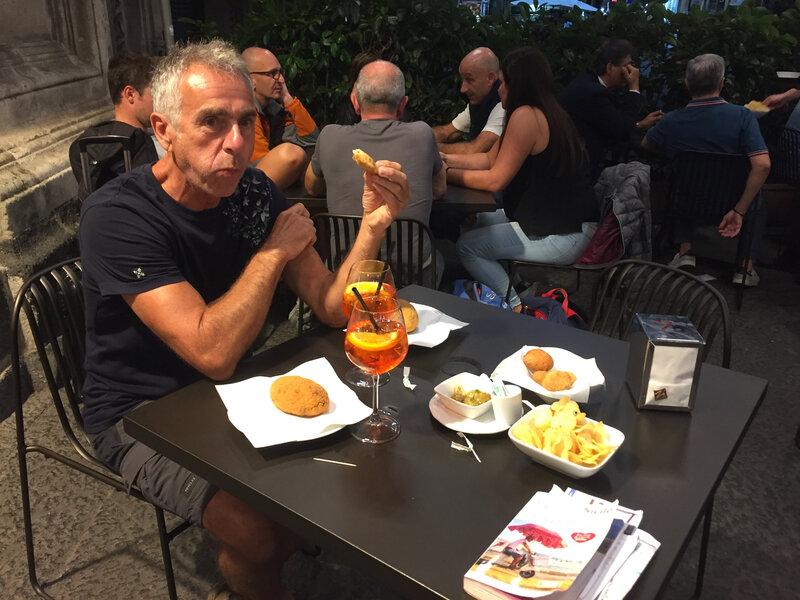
(703, 74)
(375, 89)
(215, 55)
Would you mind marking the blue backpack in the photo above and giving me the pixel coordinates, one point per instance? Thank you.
(473, 290)
(553, 306)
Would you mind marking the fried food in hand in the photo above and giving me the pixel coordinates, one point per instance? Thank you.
(299, 396)
(410, 315)
(554, 381)
(364, 161)
(538, 360)
(757, 106)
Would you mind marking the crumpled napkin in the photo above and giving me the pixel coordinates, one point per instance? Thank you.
(434, 326)
(252, 412)
(513, 370)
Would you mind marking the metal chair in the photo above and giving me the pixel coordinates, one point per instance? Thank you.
(636, 286)
(53, 304)
(704, 187)
(403, 248)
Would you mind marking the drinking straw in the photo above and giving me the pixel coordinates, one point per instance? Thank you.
(366, 308)
(380, 281)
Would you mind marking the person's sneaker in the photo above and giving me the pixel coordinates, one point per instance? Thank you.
(221, 591)
(683, 261)
(751, 278)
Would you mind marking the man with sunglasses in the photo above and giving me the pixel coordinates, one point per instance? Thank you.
(284, 127)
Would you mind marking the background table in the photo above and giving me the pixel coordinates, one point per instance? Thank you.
(414, 513)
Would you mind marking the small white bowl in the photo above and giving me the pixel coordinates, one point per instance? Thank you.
(468, 381)
(787, 74)
(615, 438)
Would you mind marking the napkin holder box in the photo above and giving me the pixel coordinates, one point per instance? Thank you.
(664, 362)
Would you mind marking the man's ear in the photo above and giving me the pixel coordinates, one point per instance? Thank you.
(492, 77)
(609, 66)
(401, 107)
(129, 94)
(354, 102)
(163, 130)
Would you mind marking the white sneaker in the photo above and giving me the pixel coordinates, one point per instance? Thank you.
(751, 278)
(221, 591)
(683, 260)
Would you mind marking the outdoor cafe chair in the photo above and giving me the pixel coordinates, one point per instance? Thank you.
(403, 248)
(704, 187)
(636, 286)
(91, 167)
(53, 305)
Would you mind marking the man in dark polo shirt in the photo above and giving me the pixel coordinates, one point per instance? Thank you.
(709, 124)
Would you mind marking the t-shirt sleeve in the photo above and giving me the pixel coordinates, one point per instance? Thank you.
(494, 124)
(752, 141)
(656, 135)
(462, 121)
(123, 250)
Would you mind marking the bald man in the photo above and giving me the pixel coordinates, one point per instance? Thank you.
(284, 127)
(481, 122)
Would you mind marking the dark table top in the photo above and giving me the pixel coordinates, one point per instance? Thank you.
(456, 198)
(414, 513)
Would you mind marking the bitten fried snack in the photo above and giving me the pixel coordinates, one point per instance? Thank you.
(299, 396)
(364, 161)
(410, 315)
(554, 381)
(757, 106)
(538, 360)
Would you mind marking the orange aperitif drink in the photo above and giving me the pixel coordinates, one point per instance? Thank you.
(366, 289)
(369, 277)
(376, 352)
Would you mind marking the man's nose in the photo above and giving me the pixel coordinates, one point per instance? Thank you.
(235, 138)
(464, 88)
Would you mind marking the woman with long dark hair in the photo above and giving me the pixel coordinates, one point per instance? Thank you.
(540, 165)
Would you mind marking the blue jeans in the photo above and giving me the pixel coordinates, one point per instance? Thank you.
(495, 238)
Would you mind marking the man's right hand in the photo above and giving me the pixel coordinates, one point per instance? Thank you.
(292, 233)
(632, 78)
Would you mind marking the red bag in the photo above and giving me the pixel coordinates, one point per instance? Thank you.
(606, 243)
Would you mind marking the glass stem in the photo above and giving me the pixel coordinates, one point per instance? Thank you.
(375, 388)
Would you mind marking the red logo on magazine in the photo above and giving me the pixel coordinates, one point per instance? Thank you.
(582, 537)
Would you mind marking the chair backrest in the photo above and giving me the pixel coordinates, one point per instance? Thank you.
(636, 286)
(408, 246)
(53, 305)
(92, 171)
(706, 185)
(786, 163)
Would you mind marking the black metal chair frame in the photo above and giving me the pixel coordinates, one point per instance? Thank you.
(336, 234)
(83, 145)
(704, 187)
(631, 286)
(53, 304)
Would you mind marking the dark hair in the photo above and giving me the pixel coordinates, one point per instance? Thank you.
(529, 82)
(129, 68)
(611, 51)
(359, 61)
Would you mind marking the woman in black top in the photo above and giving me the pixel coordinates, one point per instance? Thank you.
(540, 164)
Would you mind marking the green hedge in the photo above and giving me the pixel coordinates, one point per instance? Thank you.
(427, 39)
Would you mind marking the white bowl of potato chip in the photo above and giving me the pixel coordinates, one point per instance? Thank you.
(563, 438)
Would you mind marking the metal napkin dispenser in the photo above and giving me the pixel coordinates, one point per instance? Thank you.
(664, 361)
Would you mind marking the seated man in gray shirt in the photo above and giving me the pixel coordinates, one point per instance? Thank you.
(379, 97)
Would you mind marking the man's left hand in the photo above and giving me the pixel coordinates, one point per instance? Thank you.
(731, 224)
(286, 97)
(385, 194)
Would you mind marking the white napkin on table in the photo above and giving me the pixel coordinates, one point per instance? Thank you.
(513, 370)
(434, 326)
(252, 412)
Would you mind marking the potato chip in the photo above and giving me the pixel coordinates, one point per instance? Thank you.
(563, 430)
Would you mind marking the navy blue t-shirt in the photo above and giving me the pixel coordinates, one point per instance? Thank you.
(134, 238)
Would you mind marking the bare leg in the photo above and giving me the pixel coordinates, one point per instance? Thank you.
(252, 548)
(284, 164)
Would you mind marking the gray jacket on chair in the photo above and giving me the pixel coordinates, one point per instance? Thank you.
(625, 190)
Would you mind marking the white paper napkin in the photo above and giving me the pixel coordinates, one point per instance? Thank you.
(252, 412)
(434, 326)
(513, 370)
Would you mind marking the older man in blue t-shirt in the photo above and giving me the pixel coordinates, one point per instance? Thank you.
(709, 124)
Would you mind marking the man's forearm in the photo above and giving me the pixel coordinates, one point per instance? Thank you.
(482, 143)
(755, 180)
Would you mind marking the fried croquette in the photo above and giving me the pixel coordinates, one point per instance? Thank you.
(364, 161)
(538, 360)
(410, 315)
(554, 381)
(299, 396)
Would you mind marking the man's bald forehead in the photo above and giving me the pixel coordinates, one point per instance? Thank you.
(481, 59)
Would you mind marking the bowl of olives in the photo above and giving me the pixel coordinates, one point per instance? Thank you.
(466, 394)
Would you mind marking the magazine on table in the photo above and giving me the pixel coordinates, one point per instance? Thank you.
(561, 544)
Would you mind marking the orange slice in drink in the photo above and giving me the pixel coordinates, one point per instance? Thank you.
(373, 342)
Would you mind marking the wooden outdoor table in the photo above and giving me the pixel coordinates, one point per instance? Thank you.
(414, 513)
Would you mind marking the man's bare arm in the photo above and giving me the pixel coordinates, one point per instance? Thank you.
(314, 185)
(446, 133)
(440, 183)
(731, 223)
(213, 337)
(482, 143)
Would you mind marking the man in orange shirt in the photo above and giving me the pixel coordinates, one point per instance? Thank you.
(284, 127)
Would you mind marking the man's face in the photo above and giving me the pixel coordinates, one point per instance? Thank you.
(217, 131)
(143, 107)
(617, 74)
(476, 82)
(267, 80)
